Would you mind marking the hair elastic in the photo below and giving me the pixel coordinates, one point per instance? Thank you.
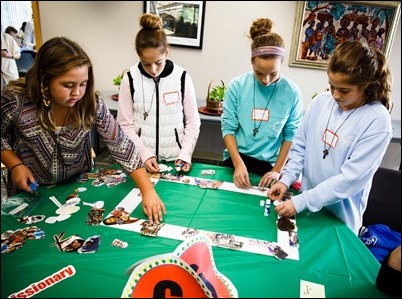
(12, 168)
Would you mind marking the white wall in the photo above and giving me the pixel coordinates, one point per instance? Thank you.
(106, 30)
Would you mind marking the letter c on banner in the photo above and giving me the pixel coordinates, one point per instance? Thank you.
(163, 286)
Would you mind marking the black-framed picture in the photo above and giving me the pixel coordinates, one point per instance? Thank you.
(183, 21)
(320, 26)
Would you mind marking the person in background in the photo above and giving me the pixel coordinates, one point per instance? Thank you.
(157, 105)
(342, 139)
(26, 46)
(262, 109)
(49, 115)
(10, 51)
(29, 35)
(390, 273)
(14, 33)
(21, 32)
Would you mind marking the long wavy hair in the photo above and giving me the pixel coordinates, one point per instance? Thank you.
(363, 65)
(54, 58)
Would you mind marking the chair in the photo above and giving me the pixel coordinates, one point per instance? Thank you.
(384, 202)
(25, 62)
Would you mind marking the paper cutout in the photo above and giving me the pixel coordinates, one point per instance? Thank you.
(31, 219)
(19, 208)
(311, 290)
(197, 252)
(14, 240)
(188, 272)
(90, 245)
(119, 243)
(149, 229)
(208, 184)
(45, 283)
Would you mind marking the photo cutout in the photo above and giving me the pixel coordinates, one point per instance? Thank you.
(277, 251)
(119, 216)
(293, 239)
(90, 245)
(225, 240)
(286, 224)
(150, 230)
(208, 184)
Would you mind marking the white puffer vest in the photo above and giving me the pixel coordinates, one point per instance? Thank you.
(162, 103)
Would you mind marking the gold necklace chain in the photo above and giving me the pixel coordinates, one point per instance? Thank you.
(326, 150)
(255, 130)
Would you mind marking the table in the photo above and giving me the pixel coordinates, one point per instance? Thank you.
(330, 254)
(110, 103)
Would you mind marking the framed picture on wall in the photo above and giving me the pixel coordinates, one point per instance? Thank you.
(183, 21)
(321, 26)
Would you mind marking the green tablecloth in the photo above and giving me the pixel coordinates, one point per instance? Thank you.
(330, 254)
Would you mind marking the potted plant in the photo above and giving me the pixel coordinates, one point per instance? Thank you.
(117, 82)
(215, 98)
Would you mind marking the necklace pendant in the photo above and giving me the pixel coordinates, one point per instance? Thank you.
(145, 115)
(325, 153)
(255, 131)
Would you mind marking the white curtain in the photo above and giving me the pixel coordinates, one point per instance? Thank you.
(13, 13)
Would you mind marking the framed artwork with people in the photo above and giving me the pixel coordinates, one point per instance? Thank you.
(321, 26)
(183, 21)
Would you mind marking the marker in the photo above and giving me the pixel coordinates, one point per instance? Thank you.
(34, 187)
(267, 207)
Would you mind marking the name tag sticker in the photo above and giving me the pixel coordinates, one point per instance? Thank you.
(171, 97)
(330, 138)
(260, 114)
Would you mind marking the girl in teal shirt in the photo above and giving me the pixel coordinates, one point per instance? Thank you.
(261, 112)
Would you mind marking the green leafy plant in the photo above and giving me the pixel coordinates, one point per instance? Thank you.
(217, 93)
(117, 80)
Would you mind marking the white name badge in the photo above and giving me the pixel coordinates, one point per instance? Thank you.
(171, 97)
(260, 114)
(330, 138)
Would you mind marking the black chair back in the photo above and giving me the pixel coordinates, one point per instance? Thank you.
(384, 203)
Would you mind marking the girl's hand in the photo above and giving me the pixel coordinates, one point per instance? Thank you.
(152, 165)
